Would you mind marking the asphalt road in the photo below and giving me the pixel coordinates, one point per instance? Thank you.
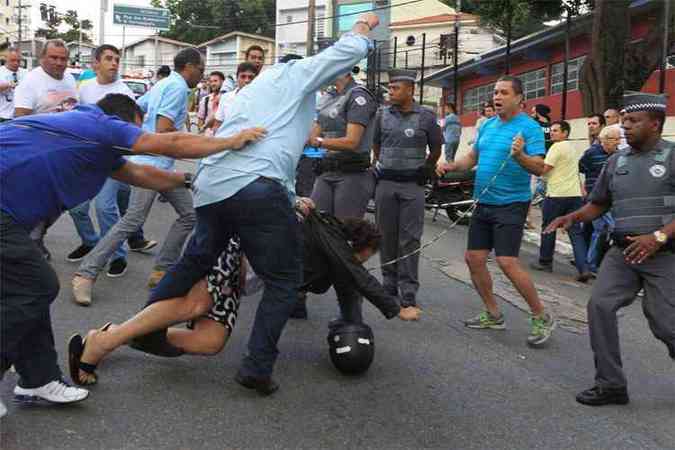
(434, 384)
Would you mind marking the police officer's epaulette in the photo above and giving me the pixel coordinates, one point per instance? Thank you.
(359, 89)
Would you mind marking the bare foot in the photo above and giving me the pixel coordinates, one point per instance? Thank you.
(93, 353)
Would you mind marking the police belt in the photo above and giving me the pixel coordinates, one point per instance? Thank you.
(344, 165)
(622, 242)
(401, 176)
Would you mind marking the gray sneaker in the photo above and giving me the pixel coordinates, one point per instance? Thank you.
(541, 329)
(484, 321)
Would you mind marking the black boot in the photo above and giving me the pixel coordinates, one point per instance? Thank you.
(599, 396)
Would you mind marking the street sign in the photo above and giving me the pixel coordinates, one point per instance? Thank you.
(138, 16)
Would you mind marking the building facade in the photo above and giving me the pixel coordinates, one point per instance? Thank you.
(149, 53)
(225, 52)
(291, 32)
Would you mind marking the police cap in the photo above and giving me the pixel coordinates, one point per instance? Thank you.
(640, 101)
(402, 75)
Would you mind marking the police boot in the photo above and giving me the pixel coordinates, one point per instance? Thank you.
(599, 396)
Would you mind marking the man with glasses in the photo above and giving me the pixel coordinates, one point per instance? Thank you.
(165, 108)
(10, 76)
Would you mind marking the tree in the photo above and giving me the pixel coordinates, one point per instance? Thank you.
(53, 24)
(199, 21)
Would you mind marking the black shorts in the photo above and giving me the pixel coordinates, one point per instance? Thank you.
(498, 227)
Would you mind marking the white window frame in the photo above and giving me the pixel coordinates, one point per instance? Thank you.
(534, 83)
(476, 97)
(573, 75)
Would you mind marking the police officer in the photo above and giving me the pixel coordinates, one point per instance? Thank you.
(345, 129)
(403, 131)
(638, 186)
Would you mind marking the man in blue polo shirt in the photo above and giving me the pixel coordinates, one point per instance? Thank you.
(508, 150)
(50, 163)
(165, 106)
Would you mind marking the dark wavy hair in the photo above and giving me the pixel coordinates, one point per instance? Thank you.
(361, 234)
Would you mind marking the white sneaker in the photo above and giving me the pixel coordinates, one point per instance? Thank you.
(3, 410)
(82, 288)
(54, 392)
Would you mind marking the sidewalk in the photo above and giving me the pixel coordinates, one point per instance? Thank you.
(563, 247)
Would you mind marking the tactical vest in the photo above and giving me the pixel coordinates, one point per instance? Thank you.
(333, 121)
(643, 190)
(403, 146)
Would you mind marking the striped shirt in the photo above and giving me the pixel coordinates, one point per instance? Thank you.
(591, 164)
(493, 146)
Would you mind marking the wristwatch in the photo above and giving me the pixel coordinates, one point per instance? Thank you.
(661, 237)
(187, 180)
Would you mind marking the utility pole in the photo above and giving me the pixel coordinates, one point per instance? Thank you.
(664, 59)
(101, 22)
(455, 54)
(311, 13)
(19, 18)
(157, 63)
(568, 30)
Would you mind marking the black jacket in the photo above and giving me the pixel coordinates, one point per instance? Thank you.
(329, 260)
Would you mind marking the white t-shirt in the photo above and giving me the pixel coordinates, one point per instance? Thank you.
(41, 93)
(7, 95)
(91, 91)
(225, 101)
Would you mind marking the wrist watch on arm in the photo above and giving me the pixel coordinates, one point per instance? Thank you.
(660, 237)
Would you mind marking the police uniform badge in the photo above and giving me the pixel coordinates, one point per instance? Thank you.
(360, 100)
(657, 170)
(333, 113)
(409, 132)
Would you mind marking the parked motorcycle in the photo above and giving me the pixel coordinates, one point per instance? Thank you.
(453, 192)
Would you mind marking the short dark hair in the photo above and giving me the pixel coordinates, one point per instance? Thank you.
(253, 48)
(516, 83)
(98, 52)
(564, 125)
(121, 106)
(164, 71)
(186, 56)
(246, 67)
(289, 57)
(660, 116)
(600, 117)
(486, 106)
(452, 106)
(217, 73)
(361, 234)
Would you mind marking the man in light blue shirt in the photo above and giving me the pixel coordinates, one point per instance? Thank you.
(452, 132)
(165, 108)
(250, 194)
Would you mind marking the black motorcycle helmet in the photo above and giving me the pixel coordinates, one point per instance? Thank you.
(351, 347)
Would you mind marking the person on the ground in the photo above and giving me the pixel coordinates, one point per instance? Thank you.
(11, 74)
(254, 55)
(638, 186)
(208, 105)
(509, 149)
(166, 111)
(344, 128)
(107, 205)
(591, 164)
(45, 89)
(334, 252)
(40, 155)
(246, 72)
(563, 195)
(403, 133)
(249, 194)
(452, 132)
(542, 115)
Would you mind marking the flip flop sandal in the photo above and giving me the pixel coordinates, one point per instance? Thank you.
(75, 350)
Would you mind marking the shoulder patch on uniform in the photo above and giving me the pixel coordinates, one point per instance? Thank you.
(657, 170)
(360, 100)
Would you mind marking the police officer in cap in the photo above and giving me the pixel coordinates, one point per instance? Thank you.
(403, 132)
(638, 186)
(344, 128)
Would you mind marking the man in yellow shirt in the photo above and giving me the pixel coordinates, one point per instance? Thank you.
(563, 195)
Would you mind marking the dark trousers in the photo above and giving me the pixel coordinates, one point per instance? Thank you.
(28, 286)
(552, 208)
(263, 217)
(305, 176)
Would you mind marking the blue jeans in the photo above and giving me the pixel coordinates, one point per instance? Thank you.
(263, 217)
(552, 208)
(83, 225)
(603, 224)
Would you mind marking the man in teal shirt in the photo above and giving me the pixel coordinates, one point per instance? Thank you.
(251, 194)
(509, 149)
